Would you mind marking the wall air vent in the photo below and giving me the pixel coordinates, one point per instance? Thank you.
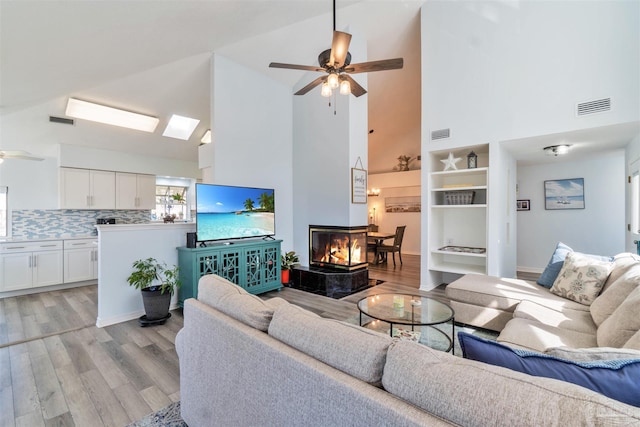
(591, 107)
(61, 120)
(440, 134)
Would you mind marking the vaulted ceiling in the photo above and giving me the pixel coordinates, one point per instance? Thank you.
(153, 57)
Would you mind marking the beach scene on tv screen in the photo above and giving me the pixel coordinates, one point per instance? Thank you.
(234, 212)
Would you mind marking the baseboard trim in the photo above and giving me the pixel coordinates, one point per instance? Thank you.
(101, 323)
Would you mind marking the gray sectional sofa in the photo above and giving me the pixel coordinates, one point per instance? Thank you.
(249, 362)
(530, 316)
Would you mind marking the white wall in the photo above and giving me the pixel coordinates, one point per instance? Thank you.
(252, 143)
(501, 70)
(597, 229)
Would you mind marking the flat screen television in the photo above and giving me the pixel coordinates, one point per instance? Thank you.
(226, 212)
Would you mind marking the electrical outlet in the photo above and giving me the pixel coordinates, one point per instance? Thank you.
(449, 241)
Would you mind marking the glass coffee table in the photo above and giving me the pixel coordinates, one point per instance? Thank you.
(418, 312)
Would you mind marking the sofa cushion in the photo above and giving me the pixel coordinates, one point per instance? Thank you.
(593, 353)
(581, 278)
(623, 323)
(352, 349)
(621, 263)
(235, 302)
(554, 266)
(532, 335)
(634, 342)
(616, 379)
(503, 293)
(627, 278)
(565, 318)
(478, 394)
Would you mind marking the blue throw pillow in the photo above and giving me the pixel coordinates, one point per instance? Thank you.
(617, 379)
(554, 266)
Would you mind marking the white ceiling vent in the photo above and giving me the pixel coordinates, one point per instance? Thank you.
(591, 107)
(440, 134)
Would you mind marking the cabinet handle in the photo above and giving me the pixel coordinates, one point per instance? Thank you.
(35, 261)
(15, 247)
(30, 256)
(48, 246)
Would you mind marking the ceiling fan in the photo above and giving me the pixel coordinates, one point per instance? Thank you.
(18, 154)
(336, 63)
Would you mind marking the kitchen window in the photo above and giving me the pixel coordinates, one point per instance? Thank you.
(3, 212)
(170, 200)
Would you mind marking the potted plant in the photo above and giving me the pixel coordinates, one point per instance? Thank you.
(157, 282)
(287, 261)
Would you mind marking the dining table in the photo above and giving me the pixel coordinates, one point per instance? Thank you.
(379, 237)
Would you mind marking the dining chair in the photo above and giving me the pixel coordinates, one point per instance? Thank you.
(383, 250)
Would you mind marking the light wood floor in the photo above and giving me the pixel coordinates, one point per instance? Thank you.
(58, 369)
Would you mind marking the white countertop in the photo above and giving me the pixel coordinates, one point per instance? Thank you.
(48, 239)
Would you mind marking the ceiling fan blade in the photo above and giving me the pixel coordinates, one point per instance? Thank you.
(19, 154)
(339, 48)
(356, 89)
(311, 85)
(295, 67)
(367, 67)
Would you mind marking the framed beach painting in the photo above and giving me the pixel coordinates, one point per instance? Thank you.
(564, 194)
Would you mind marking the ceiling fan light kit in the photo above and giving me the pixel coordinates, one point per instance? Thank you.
(336, 62)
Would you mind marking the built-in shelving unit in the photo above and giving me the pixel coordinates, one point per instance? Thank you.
(458, 206)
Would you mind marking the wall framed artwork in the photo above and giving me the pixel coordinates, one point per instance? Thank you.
(523, 205)
(564, 194)
(358, 185)
(402, 204)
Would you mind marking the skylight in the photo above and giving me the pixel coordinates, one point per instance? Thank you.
(110, 116)
(180, 127)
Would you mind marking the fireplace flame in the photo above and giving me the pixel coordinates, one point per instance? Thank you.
(340, 252)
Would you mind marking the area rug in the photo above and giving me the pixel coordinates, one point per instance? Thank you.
(169, 416)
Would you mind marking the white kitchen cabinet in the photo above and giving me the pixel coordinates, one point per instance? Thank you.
(30, 264)
(80, 260)
(87, 189)
(135, 191)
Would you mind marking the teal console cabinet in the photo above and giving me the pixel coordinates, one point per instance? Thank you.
(254, 265)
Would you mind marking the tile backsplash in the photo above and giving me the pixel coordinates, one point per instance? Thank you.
(46, 224)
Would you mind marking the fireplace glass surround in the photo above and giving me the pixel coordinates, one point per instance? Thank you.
(337, 247)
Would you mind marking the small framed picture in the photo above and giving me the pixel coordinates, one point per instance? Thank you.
(523, 205)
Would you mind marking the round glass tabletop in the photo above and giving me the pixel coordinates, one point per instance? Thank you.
(405, 309)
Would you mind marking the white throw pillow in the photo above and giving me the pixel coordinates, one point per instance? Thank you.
(581, 278)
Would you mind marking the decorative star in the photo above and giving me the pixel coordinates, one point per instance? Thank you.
(450, 162)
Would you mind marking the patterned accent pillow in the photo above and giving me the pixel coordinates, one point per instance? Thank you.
(581, 278)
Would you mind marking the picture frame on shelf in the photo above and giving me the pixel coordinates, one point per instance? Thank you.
(564, 194)
(523, 205)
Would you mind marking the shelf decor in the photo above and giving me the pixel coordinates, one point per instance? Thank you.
(463, 249)
(472, 160)
(523, 205)
(564, 194)
(450, 162)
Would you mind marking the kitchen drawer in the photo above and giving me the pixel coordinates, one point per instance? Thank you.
(31, 246)
(80, 243)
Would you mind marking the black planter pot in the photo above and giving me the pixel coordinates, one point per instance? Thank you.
(156, 304)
